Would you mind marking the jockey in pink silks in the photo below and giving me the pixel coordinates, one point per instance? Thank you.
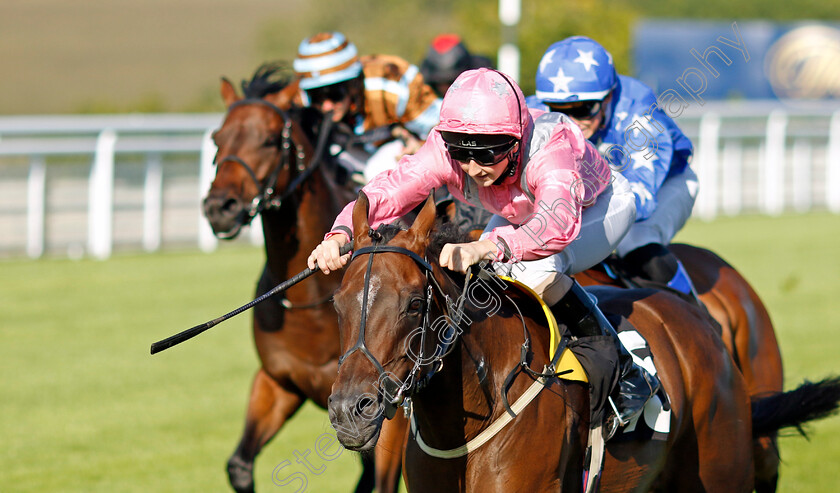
(557, 207)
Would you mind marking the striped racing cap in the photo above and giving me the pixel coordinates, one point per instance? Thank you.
(325, 59)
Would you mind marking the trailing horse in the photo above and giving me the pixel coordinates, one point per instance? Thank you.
(746, 330)
(266, 167)
(410, 339)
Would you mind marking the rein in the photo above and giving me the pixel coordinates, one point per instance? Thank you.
(400, 394)
(264, 200)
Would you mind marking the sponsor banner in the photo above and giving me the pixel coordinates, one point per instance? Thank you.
(743, 59)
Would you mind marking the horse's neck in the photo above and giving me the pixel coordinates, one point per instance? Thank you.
(466, 396)
(294, 230)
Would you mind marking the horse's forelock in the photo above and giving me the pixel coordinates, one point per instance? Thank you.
(269, 78)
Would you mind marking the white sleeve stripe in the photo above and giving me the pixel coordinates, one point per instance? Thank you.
(407, 77)
(325, 62)
(392, 86)
(425, 121)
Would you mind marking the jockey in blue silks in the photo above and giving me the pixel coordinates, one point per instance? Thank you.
(620, 116)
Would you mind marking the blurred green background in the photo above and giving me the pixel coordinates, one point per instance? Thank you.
(109, 56)
(84, 407)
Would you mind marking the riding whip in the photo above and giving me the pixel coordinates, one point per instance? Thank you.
(198, 329)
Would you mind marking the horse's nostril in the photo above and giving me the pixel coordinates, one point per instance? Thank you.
(230, 205)
(365, 407)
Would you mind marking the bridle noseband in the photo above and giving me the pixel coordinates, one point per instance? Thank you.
(396, 392)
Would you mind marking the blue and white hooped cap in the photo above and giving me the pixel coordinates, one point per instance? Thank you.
(325, 59)
(575, 69)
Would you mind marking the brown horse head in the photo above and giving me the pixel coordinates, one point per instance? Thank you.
(260, 148)
(383, 307)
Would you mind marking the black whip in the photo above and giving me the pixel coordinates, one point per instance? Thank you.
(198, 329)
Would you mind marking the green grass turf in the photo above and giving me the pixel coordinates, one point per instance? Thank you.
(84, 407)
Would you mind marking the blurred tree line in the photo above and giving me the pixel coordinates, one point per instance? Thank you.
(405, 28)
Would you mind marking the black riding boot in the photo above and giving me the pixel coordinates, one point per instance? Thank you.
(584, 318)
(655, 262)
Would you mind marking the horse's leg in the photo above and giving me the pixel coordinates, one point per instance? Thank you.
(268, 409)
(389, 451)
(367, 481)
(767, 460)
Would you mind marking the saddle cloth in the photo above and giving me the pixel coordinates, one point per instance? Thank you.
(652, 424)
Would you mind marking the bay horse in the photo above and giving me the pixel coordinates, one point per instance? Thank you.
(746, 329)
(264, 167)
(455, 376)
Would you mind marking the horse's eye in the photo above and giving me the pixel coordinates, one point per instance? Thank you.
(415, 306)
(272, 141)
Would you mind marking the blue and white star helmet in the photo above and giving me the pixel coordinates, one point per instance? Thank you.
(326, 59)
(575, 69)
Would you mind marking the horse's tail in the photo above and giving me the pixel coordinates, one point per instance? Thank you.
(808, 402)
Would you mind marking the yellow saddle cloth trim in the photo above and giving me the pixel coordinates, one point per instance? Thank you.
(568, 361)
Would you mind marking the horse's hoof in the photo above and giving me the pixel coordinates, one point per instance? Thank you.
(240, 475)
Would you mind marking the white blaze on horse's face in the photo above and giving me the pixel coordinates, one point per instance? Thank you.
(373, 287)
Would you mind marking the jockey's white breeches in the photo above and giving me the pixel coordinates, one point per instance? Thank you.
(674, 202)
(603, 225)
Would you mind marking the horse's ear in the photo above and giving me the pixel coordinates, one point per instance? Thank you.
(360, 217)
(425, 219)
(229, 95)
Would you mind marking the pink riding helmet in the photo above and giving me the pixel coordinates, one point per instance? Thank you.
(485, 101)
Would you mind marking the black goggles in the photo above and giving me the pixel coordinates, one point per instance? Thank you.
(333, 92)
(486, 156)
(579, 111)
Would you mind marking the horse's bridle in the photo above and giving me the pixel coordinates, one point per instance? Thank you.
(264, 200)
(396, 392)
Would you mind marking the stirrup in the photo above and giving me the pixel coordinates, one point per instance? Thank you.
(639, 398)
(614, 422)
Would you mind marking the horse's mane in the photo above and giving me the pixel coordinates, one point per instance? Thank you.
(443, 232)
(272, 77)
(269, 78)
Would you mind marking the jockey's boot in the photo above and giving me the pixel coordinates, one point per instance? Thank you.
(635, 386)
(655, 262)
